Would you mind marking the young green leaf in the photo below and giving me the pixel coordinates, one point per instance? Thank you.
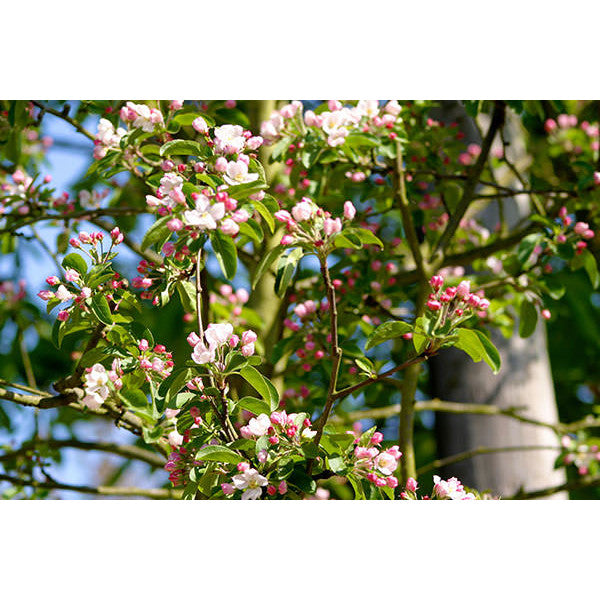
(226, 253)
(528, 317)
(285, 270)
(262, 385)
(477, 345)
(387, 331)
(75, 261)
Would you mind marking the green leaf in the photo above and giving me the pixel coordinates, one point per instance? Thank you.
(285, 270)
(591, 268)
(187, 295)
(528, 317)
(366, 236)
(262, 385)
(264, 212)
(527, 246)
(101, 309)
(252, 230)
(75, 261)
(226, 253)
(387, 331)
(186, 148)
(158, 233)
(134, 397)
(347, 240)
(218, 454)
(477, 345)
(337, 464)
(266, 261)
(254, 405)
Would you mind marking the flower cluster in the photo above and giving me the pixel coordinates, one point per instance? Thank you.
(311, 226)
(9, 296)
(373, 463)
(336, 123)
(179, 464)
(284, 431)
(97, 383)
(451, 489)
(454, 303)
(74, 286)
(576, 235)
(107, 138)
(249, 480)
(156, 363)
(580, 453)
(218, 340)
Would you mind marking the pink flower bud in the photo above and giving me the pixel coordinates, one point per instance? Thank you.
(143, 345)
(247, 350)
(282, 488)
(391, 481)
(46, 295)
(463, 289)
(411, 485)
(200, 125)
(234, 340)
(242, 467)
(193, 339)
(221, 164)
(174, 224)
(227, 488)
(331, 226)
(546, 314)
(52, 280)
(436, 282)
(349, 210)
(63, 316)
(377, 438)
(71, 275)
(248, 337)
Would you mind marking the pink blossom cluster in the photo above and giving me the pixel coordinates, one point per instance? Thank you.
(219, 339)
(564, 131)
(580, 454)
(212, 209)
(142, 116)
(374, 463)
(232, 301)
(11, 296)
(98, 383)
(577, 234)
(310, 225)
(179, 464)
(251, 483)
(335, 124)
(107, 138)
(156, 362)
(451, 489)
(283, 430)
(455, 302)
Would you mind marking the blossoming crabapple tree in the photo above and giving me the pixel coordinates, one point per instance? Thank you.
(298, 267)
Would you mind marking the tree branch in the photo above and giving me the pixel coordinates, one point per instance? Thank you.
(471, 182)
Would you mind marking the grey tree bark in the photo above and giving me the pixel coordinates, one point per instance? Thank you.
(525, 381)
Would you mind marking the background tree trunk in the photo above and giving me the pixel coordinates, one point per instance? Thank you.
(525, 381)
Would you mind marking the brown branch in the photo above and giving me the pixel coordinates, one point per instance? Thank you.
(102, 490)
(456, 458)
(471, 182)
(65, 117)
(124, 450)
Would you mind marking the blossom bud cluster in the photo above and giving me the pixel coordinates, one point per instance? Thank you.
(455, 302)
(583, 455)
(156, 362)
(311, 226)
(451, 489)
(179, 464)
(377, 465)
(576, 235)
(283, 430)
(9, 296)
(219, 338)
(98, 383)
(335, 124)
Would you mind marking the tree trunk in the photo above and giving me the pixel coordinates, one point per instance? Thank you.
(525, 380)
